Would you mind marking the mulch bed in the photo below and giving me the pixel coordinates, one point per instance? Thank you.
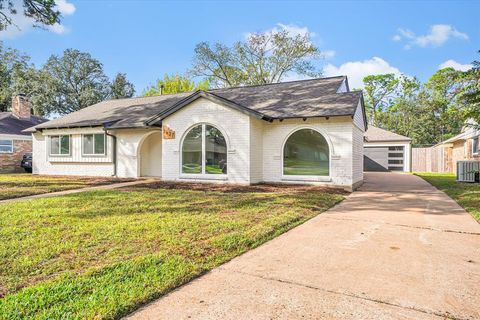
(237, 188)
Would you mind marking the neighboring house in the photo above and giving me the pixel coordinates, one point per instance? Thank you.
(13, 142)
(386, 151)
(443, 156)
(300, 131)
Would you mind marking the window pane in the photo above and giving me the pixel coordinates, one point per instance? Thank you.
(475, 145)
(397, 148)
(88, 144)
(192, 151)
(6, 146)
(99, 144)
(54, 145)
(306, 153)
(216, 151)
(395, 155)
(65, 144)
(392, 161)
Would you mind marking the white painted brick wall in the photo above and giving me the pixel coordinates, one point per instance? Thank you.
(256, 150)
(338, 131)
(255, 147)
(235, 126)
(357, 148)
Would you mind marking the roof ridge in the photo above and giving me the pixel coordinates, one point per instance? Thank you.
(146, 97)
(275, 83)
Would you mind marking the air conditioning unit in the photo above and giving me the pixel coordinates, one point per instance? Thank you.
(468, 171)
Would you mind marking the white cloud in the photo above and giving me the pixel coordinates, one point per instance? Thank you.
(65, 7)
(357, 70)
(328, 54)
(437, 36)
(292, 30)
(23, 24)
(455, 65)
(58, 28)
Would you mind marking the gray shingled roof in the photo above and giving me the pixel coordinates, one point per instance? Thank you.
(9, 124)
(295, 99)
(374, 134)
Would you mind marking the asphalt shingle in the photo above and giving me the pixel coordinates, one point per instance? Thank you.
(295, 99)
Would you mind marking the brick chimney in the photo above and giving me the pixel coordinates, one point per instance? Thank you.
(21, 106)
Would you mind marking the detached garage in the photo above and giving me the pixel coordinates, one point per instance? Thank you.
(386, 151)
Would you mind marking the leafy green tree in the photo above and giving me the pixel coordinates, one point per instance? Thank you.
(31, 82)
(43, 12)
(74, 81)
(11, 61)
(469, 93)
(171, 84)
(380, 90)
(442, 88)
(262, 58)
(121, 87)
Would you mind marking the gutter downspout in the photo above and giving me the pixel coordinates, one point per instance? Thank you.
(114, 138)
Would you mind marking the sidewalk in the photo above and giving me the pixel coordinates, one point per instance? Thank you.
(66, 192)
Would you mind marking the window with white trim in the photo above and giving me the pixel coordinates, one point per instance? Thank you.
(306, 153)
(6, 146)
(204, 151)
(475, 145)
(93, 144)
(60, 145)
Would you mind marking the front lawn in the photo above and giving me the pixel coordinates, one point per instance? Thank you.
(25, 184)
(102, 254)
(466, 194)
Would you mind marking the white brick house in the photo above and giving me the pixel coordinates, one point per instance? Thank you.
(308, 131)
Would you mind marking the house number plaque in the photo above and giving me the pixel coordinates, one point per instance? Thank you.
(168, 133)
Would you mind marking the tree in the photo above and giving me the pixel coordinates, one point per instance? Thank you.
(262, 58)
(379, 91)
(174, 84)
(469, 94)
(121, 87)
(442, 88)
(11, 61)
(73, 81)
(43, 12)
(31, 82)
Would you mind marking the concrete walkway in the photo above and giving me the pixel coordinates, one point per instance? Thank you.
(72, 191)
(396, 249)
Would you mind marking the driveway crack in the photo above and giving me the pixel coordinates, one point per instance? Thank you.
(445, 315)
(405, 225)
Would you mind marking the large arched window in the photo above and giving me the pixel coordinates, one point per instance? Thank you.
(306, 153)
(204, 151)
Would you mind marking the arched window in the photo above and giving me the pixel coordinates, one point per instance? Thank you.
(204, 151)
(306, 153)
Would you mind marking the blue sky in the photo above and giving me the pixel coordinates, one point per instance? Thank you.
(147, 39)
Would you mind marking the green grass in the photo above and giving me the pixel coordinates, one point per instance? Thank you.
(25, 184)
(102, 254)
(465, 194)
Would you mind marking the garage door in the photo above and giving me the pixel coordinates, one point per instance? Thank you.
(390, 158)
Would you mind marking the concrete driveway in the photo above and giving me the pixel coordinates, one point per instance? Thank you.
(396, 249)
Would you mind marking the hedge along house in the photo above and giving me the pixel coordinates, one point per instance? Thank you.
(308, 131)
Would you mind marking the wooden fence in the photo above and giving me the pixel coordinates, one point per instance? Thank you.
(432, 159)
